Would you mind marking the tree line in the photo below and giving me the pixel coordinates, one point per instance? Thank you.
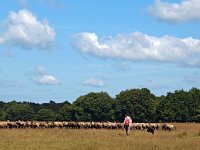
(140, 104)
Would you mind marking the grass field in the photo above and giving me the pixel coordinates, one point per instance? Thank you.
(186, 137)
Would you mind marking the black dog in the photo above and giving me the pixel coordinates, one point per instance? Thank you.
(150, 129)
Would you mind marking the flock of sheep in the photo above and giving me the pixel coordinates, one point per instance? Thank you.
(84, 125)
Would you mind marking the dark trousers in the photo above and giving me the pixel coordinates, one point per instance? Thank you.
(127, 128)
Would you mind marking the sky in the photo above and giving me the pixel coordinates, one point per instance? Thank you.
(61, 49)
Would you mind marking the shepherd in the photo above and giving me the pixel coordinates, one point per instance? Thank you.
(127, 123)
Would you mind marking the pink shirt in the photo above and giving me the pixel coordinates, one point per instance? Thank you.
(129, 118)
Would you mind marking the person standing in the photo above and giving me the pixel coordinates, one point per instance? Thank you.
(127, 124)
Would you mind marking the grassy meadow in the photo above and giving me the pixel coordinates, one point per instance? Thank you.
(186, 137)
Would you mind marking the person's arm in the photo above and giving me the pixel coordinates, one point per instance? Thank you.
(130, 120)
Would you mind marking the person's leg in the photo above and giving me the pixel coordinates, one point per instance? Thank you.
(128, 130)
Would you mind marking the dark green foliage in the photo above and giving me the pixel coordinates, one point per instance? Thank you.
(193, 104)
(2, 112)
(65, 113)
(141, 104)
(94, 107)
(45, 115)
(2, 115)
(1, 105)
(18, 111)
(180, 106)
(53, 106)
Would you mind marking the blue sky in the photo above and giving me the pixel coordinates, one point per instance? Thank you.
(60, 50)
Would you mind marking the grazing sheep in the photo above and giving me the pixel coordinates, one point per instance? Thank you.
(58, 124)
(168, 127)
(11, 124)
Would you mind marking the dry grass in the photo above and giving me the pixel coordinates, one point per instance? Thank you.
(186, 137)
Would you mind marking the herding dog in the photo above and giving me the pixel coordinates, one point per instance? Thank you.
(150, 129)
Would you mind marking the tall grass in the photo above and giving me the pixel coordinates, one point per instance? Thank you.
(184, 138)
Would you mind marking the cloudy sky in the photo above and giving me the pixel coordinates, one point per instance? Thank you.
(60, 50)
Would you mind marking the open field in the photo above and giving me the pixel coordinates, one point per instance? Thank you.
(186, 137)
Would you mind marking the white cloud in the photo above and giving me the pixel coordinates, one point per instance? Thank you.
(93, 82)
(47, 79)
(24, 30)
(42, 77)
(186, 10)
(137, 46)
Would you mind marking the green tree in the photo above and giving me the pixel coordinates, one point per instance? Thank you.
(197, 115)
(45, 115)
(2, 112)
(139, 103)
(18, 111)
(65, 113)
(174, 107)
(193, 104)
(166, 109)
(55, 107)
(52, 105)
(1, 105)
(93, 107)
(2, 115)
